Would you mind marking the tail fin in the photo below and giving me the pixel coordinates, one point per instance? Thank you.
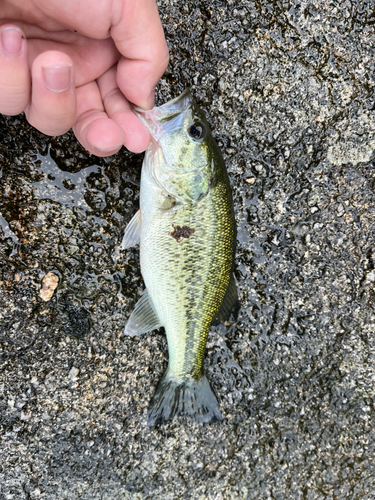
(175, 397)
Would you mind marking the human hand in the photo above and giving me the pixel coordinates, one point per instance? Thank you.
(78, 63)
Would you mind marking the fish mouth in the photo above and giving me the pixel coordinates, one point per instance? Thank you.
(168, 107)
(156, 119)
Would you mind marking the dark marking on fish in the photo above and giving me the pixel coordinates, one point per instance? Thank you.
(181, 232)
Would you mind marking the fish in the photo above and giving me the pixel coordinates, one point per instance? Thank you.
(187, 234)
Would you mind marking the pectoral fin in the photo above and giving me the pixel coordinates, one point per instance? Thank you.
(132, 232)
(143, 319)
(230, 306)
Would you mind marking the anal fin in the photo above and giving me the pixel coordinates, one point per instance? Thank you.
(143, 319)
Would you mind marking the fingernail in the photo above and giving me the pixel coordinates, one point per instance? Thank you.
(58, 78)
(149, 102)
(11, 41)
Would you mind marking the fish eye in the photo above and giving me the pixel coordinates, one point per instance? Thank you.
(197, 131)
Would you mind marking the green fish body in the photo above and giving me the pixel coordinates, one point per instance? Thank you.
(186, 231)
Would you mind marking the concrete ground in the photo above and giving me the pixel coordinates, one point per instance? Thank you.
(288, 88)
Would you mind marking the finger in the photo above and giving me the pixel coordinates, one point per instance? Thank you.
(91, 58)
(14, 73)
(140, 38)
(52, 109)
(137, 137)
(94, 130)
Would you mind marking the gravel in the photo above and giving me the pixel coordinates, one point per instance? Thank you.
(288, 88)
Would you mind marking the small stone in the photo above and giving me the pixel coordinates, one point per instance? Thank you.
(370, 277)
(73, 374)
(250, 180)
(49, 285)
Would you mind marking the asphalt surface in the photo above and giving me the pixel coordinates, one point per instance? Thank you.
(288, 88)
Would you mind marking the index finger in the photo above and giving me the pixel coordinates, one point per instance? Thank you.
(139, 36)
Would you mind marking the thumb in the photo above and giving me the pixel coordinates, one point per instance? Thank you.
(139, 37)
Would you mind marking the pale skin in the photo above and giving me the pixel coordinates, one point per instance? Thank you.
(79, 64)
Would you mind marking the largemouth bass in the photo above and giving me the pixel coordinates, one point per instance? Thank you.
(186, 231)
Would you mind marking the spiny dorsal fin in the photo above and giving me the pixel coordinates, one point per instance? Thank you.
(132, 232)
(143, 319)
